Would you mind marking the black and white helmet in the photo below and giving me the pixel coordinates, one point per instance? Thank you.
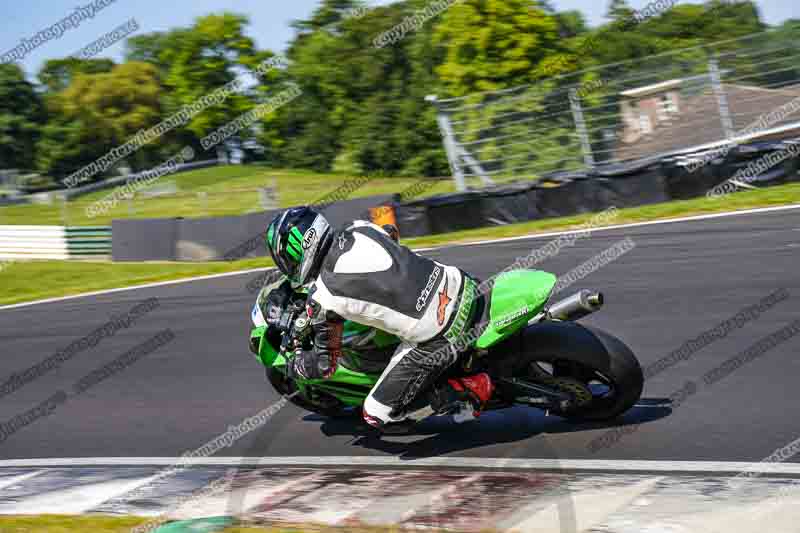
(298, 240)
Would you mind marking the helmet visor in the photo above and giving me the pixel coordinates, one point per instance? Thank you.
(288, 267)
(277, 250)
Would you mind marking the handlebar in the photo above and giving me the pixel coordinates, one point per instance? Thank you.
(294, 325)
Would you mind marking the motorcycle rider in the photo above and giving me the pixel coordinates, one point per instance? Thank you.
(362, 274)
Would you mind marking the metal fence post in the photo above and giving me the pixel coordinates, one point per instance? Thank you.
(722, 98)
(446, 129)
(580, 127)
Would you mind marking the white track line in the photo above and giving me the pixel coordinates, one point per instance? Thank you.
(16, 480)
(77, 499)
(630, 225)
(573, 465)
(454, 245)
(135, 287)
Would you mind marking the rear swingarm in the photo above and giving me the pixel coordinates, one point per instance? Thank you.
(535, 394)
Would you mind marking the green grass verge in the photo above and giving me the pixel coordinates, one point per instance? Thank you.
(229, 190)
(35, 280)
(26, 281)
(68, 524)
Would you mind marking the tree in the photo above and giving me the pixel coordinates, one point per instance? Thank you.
(194, 62)
(99, 112)
(495, 44)
(327, 16)
(619, 11)
(20, 118)
(571, 24)
(689, 24)
(363, 108)
(57, 74)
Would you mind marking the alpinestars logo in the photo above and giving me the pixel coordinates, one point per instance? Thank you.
(422, 301)
(444, 299)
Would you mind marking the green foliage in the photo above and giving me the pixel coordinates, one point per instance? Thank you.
(20, 118)
(57, 74)
(571, 24)
(365, 109)
(619, 11)
(494, 44)
(195, 61)
(98, 112)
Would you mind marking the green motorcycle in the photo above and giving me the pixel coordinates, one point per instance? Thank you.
(536, 354)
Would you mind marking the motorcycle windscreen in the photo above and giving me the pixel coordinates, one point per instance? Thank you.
(517, 296)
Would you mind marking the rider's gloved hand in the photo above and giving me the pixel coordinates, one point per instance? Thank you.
(304, 365)
(277, 300)
(328, 330)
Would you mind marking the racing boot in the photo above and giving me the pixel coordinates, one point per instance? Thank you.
(463, 397)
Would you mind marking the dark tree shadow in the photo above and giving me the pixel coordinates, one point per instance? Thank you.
(441, 436)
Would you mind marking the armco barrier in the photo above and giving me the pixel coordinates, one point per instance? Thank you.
(54, 242)
(642, 182)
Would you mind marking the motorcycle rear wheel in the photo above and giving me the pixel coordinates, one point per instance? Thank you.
(574, 358)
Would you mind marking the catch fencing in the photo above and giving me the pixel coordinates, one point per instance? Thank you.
(55, 242)
(683, 102)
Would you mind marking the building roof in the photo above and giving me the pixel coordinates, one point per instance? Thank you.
(698, 122)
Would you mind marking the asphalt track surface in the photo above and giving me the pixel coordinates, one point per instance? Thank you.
(680, 280)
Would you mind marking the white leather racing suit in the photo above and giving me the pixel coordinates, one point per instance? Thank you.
(368, 278)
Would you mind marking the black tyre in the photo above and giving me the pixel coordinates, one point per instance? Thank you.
(597, 369)
(322, 404)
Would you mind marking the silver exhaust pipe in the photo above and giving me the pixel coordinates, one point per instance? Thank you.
(576, 306)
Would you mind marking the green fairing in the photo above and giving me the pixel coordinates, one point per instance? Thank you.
(266, 352)
(346, 394)
(517, 296)
(380, 339)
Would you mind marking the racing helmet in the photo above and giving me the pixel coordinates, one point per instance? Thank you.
(298, 240)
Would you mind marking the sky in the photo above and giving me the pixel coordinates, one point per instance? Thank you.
(269, 27)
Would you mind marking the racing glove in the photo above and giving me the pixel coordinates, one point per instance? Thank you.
(327, 327)
(319, 362)
(305, 365)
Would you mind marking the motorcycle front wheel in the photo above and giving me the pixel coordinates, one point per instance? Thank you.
(323, 404)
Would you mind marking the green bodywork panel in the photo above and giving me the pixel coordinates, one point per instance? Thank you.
(266, 353)
(349, 386)
(380, 339)
(517, 296)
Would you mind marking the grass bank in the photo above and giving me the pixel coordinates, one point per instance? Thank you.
(217, 191)
(68, 524)
(35, 280)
